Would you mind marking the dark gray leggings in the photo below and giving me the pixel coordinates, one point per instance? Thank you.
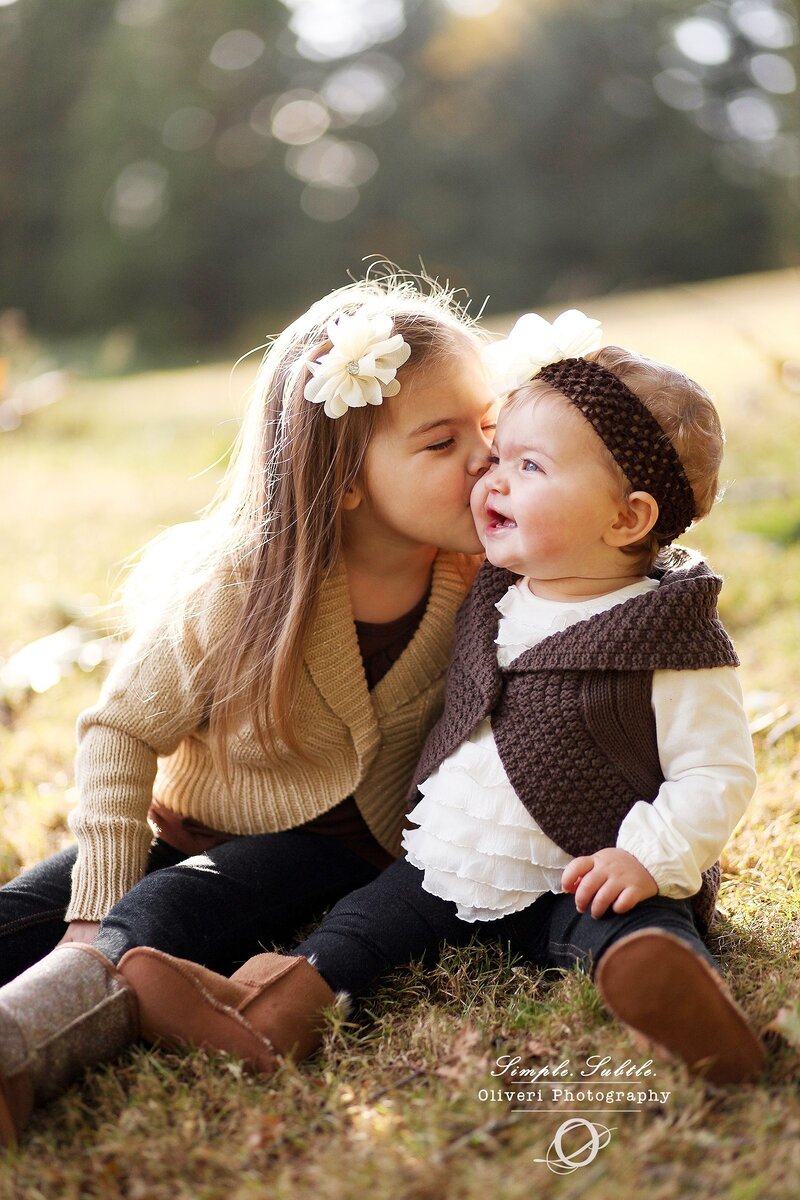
(394, 920)
(217, 908)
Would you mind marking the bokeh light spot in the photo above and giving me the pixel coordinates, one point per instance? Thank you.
(773, 73)
(357, 91)
(680, 89)
(784, 155)
(333, 163)
(237, 50)
(139, 12)
(299, 118)
(752, 116)
(138, 198)
(328, 29)
(703, 41)
(261, 116)
(763, 24)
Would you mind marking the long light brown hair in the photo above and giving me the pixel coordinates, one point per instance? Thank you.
(274, 531)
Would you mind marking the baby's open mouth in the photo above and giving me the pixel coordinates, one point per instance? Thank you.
(496, 520)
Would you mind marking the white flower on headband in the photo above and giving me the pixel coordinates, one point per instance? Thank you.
(361, 367)
(534, 343)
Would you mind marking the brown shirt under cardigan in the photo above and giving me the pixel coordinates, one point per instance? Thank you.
(572, 717)
(381, 645)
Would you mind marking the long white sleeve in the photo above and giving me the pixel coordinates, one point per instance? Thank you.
(706, 756)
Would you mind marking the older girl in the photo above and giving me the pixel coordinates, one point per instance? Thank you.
(267, 719)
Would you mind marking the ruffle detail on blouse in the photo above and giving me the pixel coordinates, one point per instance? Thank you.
(501, 872)
(460, 792)
(527, 620)
(473, 901)
(491, 830)
(476, 758)
(476, 843)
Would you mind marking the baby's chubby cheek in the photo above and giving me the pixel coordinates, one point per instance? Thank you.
(477, 502)
(478, 515)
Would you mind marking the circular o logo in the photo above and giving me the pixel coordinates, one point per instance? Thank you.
(596, 1139)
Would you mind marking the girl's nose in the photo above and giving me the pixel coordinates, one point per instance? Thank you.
(478, 462)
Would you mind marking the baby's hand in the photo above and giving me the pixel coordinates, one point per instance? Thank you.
(612, 877)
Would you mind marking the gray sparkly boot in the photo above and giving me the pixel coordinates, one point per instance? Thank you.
(68, 1011)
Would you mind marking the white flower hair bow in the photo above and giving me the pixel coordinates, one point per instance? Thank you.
(361, 367)
(534, 343)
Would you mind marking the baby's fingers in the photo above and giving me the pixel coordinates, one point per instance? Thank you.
(628, 898)
(605, 896)
(574, 872)
(588, 888)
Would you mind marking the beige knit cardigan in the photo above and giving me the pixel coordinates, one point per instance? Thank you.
(145, 738)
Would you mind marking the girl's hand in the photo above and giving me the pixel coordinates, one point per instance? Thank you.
(81, 931)
(609, 877)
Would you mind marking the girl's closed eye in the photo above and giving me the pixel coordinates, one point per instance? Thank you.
(445, 445)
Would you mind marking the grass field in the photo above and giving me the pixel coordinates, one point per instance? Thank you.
(391, 1106)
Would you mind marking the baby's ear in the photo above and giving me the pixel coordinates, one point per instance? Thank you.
(637, 515)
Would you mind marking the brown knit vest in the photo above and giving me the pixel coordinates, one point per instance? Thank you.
(572, 718)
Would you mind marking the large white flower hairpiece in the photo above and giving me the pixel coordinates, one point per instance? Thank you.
(534, 343)
(361, 367)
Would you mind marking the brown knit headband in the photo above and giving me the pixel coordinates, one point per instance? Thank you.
(633, 436)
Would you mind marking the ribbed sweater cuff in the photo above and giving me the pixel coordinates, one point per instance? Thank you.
(112, 857)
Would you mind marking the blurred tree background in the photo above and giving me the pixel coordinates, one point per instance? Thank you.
(184, 174)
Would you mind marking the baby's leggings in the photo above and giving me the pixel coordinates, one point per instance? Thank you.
(393, 920)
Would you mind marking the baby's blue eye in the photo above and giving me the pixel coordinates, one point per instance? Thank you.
(529, 465)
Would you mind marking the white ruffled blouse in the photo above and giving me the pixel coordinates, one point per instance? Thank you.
(479, 846)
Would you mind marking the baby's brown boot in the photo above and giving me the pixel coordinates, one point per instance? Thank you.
(654, 982)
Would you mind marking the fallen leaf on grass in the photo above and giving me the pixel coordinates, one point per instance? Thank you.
(465, 1049)
(786, 1023)
(269, 1129)
(534, 1048)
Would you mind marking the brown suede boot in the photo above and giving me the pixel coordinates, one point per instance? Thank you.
(655, 983)
(68, 1011)
(271, 1006)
